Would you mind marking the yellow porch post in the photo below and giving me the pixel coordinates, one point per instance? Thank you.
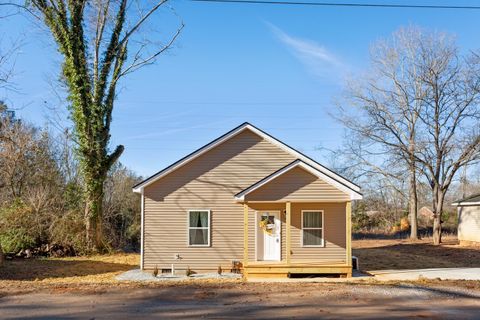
(288, 218)
(245, 234)
(348, 223)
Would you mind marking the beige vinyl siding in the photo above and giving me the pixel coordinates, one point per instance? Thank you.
(469, 223)
(334, 233)
(207, 182)
(297, 185)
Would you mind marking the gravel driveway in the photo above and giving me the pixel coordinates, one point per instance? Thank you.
(249, 300)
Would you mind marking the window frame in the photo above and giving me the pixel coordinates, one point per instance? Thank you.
(309, 228)
(209, 228)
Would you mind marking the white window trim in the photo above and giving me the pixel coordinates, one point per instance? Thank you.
(322, 245)
(188, 228)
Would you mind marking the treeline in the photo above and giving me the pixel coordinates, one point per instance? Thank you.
(42, 207)
(413, 125)
(384, 212)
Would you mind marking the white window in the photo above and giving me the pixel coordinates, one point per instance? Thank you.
(312, 228)
(199, 228)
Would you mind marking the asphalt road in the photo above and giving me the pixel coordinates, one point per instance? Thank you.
(249, 301)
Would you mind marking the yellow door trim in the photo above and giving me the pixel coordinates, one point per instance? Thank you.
(288, 221)
(245, 234)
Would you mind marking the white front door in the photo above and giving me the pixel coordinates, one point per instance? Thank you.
(269, 236)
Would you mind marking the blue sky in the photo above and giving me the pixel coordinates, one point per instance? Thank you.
(280, 68)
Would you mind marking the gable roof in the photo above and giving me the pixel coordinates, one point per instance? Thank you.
(354, 194)
(468, 201)
(246, 126)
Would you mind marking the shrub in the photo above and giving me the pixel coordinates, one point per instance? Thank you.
(395, 229)
(360, 221)
(14, 240)
(42, 194)
(404, 224)
(18, 228)
(69, 230)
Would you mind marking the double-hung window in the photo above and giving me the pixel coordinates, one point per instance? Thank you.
(199, 228)
(312, 228)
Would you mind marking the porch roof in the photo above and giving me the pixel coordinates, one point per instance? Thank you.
(469, 201)
(351, 192)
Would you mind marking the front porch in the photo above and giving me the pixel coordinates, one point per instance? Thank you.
(297, 221)
(332, 257)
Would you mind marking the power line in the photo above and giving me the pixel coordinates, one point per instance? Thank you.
(332, 4)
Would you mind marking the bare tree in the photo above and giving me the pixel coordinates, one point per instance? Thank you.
(7, 63)
(121, 207)
(16, 148)
(450, 116)
(386, 105)
(31, 184)
(100, 42)
(420, 104)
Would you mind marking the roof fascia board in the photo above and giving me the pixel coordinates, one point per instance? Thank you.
(137, 188)
(465, 204)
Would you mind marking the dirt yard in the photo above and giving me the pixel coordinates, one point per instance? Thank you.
(373, 254)
(23, 274)
(380, 254)
(71, 270)
(85, 288)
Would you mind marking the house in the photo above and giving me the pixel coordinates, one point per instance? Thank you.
(425, 214)
(247, 199)
(424, 217)
(469, 219)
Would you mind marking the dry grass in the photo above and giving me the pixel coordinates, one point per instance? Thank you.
(90, 274)
(406, 254)
(102, 268)
(96, 274)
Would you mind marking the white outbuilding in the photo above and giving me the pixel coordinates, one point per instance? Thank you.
(469, 219)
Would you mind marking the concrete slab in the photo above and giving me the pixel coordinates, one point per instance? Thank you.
(437, 273)
(139, 275)
(376, 275)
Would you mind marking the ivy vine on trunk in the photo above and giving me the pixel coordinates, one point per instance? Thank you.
(92, 67)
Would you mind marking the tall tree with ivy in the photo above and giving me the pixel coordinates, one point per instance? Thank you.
(94, 38)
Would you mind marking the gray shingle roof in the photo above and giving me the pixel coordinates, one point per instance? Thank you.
(471, 199)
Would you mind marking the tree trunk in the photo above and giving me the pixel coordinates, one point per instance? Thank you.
(93, 216)
(2, 259)
(413, 203)
(437, 229)
(437, 215)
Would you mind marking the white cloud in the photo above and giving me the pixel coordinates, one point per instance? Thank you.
(316, 58)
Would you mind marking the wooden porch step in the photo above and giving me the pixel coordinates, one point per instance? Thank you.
(282, 271)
